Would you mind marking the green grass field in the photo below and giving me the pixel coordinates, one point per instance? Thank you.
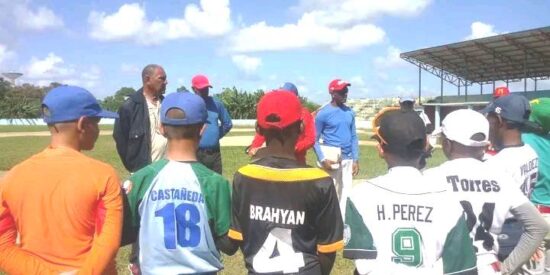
(16, 149)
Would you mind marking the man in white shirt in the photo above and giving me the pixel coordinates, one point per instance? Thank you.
(399, 223)
(508, 116)
(486, 196)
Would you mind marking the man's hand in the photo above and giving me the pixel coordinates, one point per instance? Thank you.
(355, 168)
(327, 164)
(539, 254)
(252, 151)
(72, 272)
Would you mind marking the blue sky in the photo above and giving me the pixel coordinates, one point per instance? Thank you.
(103, 45)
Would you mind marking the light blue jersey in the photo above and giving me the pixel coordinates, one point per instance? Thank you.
(172, 203)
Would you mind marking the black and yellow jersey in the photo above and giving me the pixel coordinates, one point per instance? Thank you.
(285, 214)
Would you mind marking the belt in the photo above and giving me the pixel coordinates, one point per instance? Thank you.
(209, 150)
(543, 209)
(496, 266)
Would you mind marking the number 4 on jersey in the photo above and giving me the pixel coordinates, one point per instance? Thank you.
(267, 259)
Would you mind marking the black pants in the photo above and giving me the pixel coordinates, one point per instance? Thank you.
(211, 158)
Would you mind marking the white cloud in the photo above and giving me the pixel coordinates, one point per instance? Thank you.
(337, 25)
(382, 76)
(49, 67)
(246, 64)
(53, 68)
(129, 68)
(5, 54)
(344, 12)
(40, 18)
(302, 90)
(390, 60)
(358, 85)
(130, 22)
(404, 91)
(480, 30)
(304, 34)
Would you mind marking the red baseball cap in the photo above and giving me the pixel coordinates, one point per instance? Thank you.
(501, 91)
(337, 85)
(200, 81)
(278, 109)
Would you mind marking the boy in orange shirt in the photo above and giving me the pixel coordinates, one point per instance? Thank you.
(66, 206)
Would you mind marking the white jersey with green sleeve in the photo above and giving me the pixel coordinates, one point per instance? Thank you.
(399, 223)
(179, 207)
(486, 197)
(519, 163)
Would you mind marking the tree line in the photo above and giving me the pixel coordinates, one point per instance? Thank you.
(23, 101)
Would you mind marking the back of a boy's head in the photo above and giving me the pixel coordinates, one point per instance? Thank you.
(278, 112)
(402, 133)
(182, 115)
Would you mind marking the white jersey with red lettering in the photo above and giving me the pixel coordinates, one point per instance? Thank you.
(486, 197)
(518, 162)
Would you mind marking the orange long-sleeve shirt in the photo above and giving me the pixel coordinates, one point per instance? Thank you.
(67, 208)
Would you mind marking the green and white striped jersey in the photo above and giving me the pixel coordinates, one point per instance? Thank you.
(178, 208)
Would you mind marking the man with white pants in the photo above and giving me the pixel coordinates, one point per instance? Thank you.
(338, 154)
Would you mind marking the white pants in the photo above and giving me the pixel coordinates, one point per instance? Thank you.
(343, 181)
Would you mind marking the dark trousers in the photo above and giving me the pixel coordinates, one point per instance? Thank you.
(211, 158)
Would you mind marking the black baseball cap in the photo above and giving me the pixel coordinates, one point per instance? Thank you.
(402, 131)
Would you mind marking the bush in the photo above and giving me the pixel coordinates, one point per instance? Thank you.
(112, 103)
(22, 101)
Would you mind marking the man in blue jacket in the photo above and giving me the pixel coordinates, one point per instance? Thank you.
(209, 147)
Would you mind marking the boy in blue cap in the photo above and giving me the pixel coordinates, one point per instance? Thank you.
(66, 206)
(180, 208)
(508, 117)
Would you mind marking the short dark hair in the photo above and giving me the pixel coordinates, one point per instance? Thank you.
(149, 70)
(412, 151)
(280, 134)
(407, 104)
(183, 131)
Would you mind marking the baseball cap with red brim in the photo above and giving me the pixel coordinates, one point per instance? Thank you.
(278, 109)
(501, 91)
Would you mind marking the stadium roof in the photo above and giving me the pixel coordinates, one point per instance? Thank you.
(511, 56)
(480, 99)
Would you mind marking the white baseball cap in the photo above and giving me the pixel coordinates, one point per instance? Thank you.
(404, 98)
(461, 126)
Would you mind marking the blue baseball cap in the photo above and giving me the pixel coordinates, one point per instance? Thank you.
(513, 108)
(192, 106)
(290, 87)
(69, 103)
